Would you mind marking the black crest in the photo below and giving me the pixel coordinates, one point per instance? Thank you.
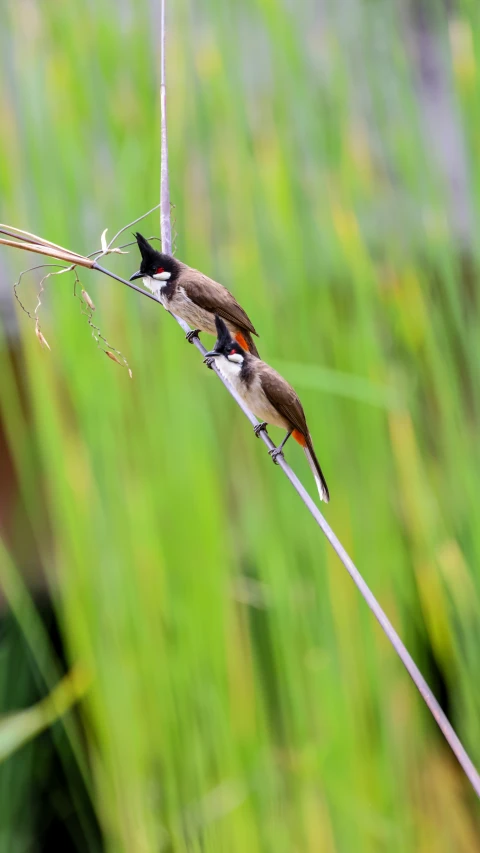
(153, 260)
(147, 251)
(225, 343)
(224, 338)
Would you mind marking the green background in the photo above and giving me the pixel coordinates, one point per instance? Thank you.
(239, 695)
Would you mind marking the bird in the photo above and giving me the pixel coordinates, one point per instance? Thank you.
(193, 296)
(268, 395)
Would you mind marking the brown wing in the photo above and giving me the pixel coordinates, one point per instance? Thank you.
(283, 397)
(214, 297)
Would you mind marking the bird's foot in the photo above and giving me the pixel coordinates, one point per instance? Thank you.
(193, 333)
(259, 427)
(209, 361)
(275, 452)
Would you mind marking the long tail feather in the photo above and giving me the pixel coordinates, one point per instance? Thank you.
(317, 473)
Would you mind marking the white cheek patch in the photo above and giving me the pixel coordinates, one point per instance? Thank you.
(162, 276)
(236, 357)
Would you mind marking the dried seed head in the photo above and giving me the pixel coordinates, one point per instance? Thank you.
(41, 338)
(130, 373)
(87, 299)
(113, 357)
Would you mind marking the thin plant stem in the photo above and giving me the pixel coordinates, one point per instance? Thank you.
(165, 223)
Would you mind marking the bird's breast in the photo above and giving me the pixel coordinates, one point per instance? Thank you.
(260, 405)
(252, 393)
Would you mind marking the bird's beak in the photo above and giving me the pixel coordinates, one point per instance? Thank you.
(136, 275)
(212, 354)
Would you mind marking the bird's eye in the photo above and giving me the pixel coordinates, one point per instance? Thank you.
(160, 269)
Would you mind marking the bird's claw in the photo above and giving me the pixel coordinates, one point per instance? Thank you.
(193, 333)
(209, 361)
(275, 452)
(259, 427)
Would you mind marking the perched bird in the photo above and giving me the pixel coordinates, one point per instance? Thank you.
(267, 394)
(193, 296)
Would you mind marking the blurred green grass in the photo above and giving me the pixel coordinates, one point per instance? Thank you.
(242, 697)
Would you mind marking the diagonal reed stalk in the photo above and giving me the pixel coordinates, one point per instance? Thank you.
(408, 662)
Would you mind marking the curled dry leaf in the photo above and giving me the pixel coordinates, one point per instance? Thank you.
(106, 250)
